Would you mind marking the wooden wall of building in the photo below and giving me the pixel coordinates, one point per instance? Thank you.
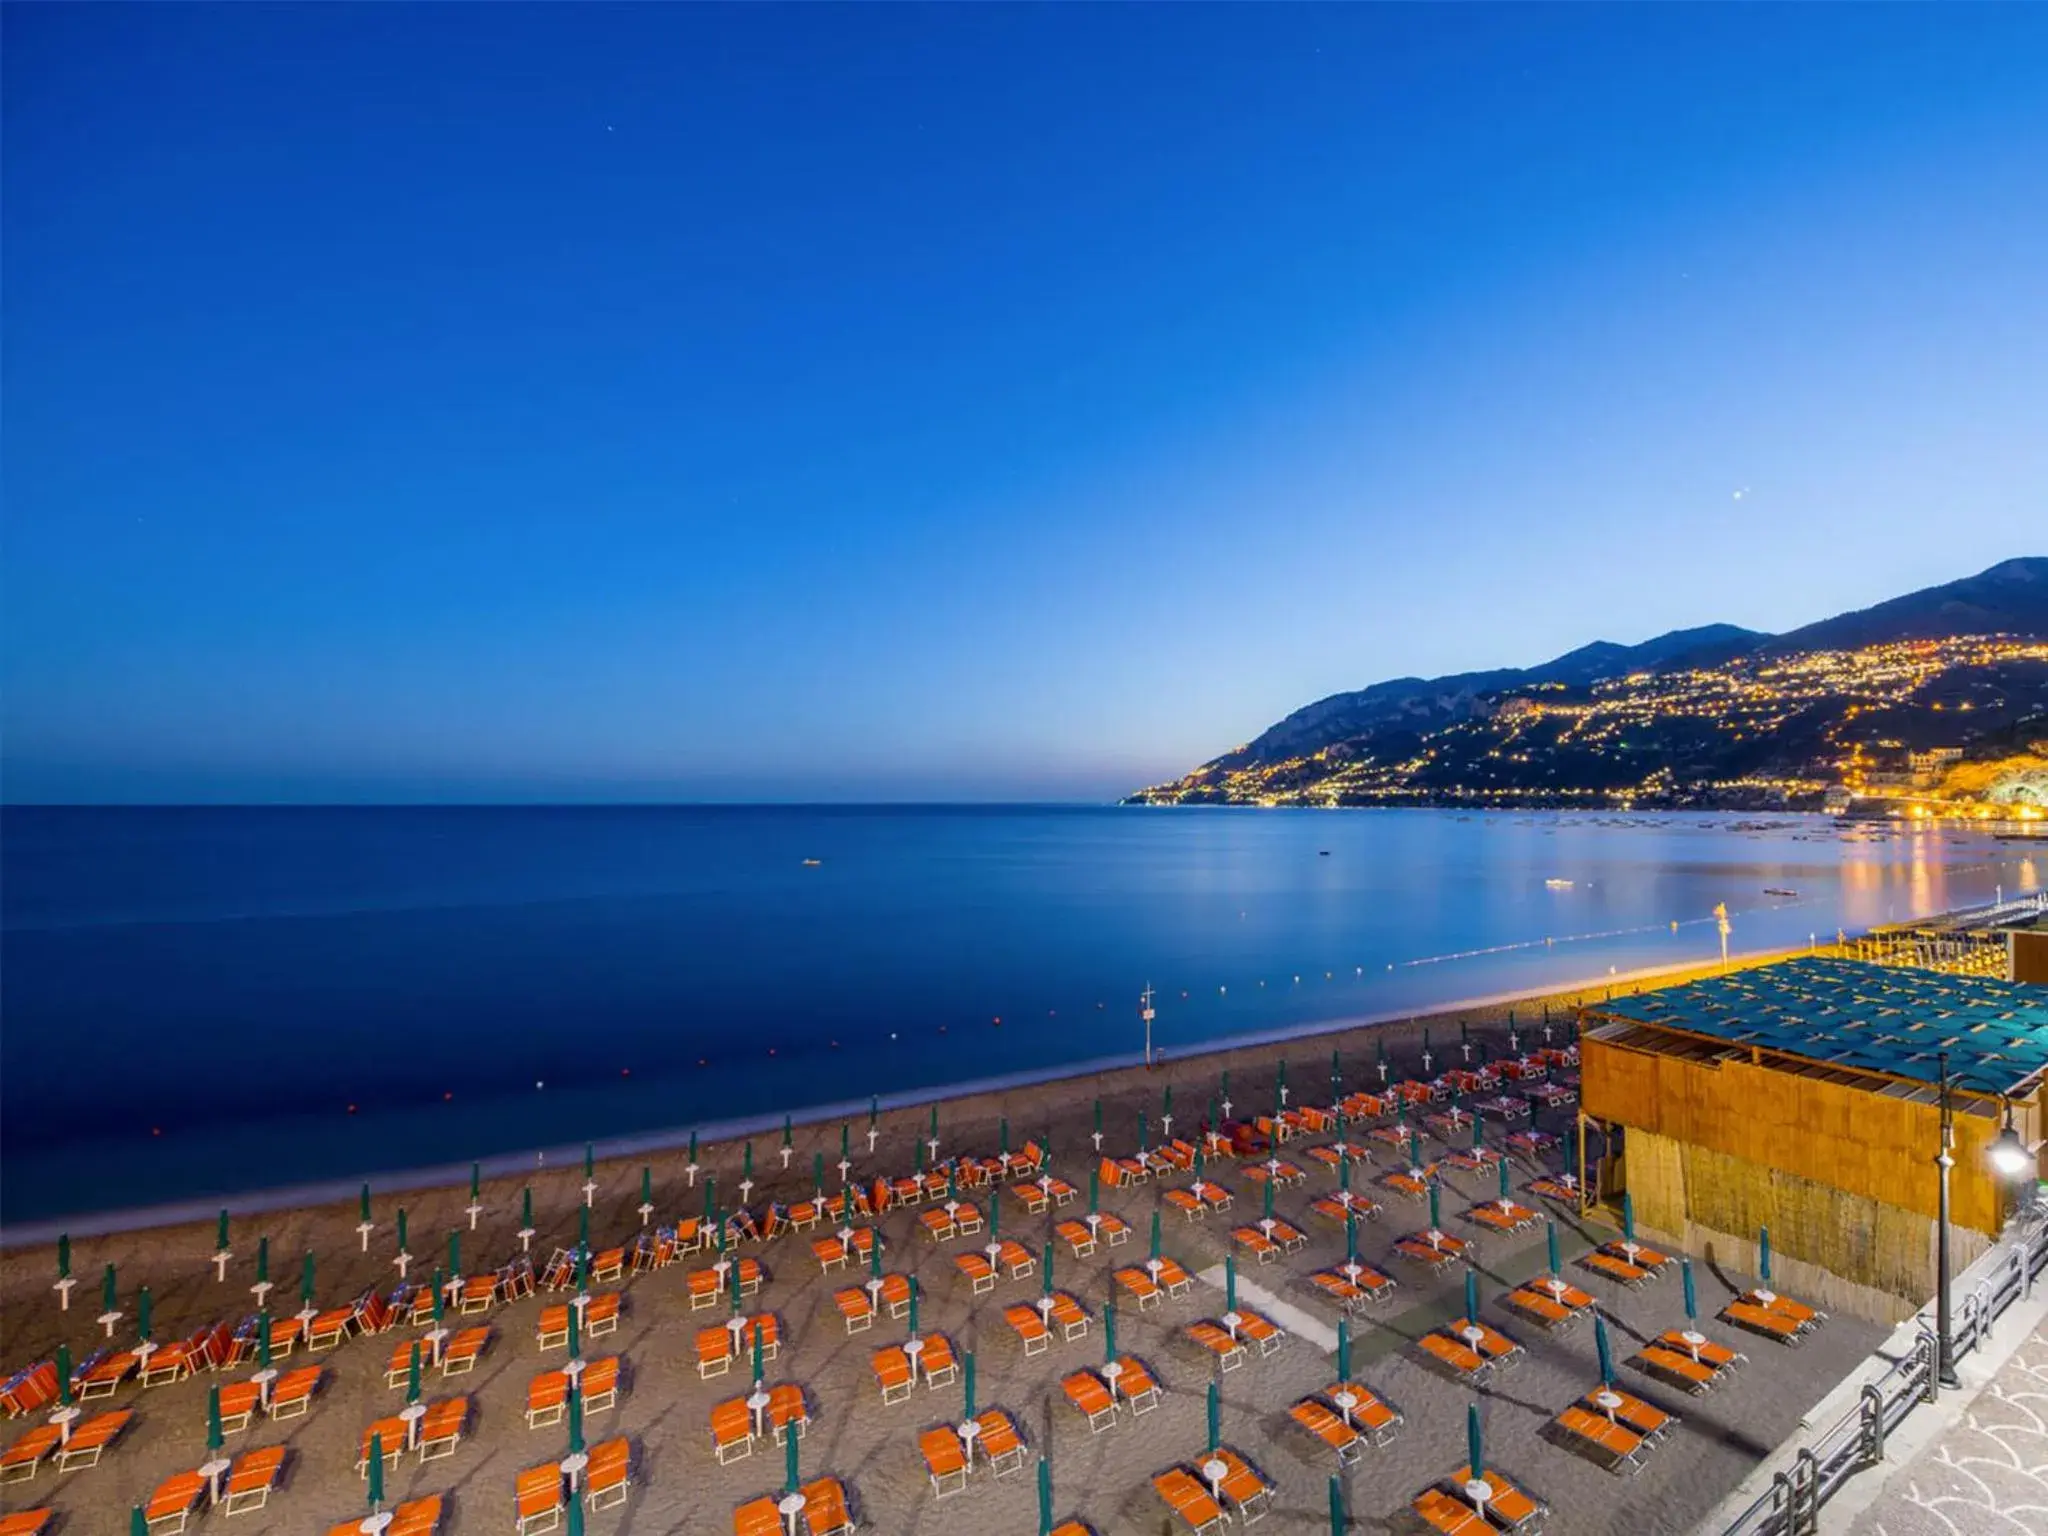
(1764, 1122)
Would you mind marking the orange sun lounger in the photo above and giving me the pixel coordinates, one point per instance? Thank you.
(1615, 1443)
(390, 1436)
(239, 1401)
(1084, 1389)
(1029, 1327)
(1229, 1352)
(171, 1505)
(945, 1462)
(1001, 1442)
(441, 1430)
(91, 1438)
(1260, 1329)
(981, 1275)
(892, 1373)
(26, 1522)
(1449, 1516)
(21, 1459)
(251, 1477)
(460, 1356)
(1330, 1428)
(1134, 1385)
(609, 1474)
(1068, 1313)
(732, 1431)
(547, 1399)
(1190, 1501)
(1077, 1237)
(825, 1508)
(855, 1308)
(538, 1499)
(292, 1395)
(1140, 1285)
(936, 1361)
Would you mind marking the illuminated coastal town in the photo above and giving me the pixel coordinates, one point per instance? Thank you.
(1954, 726)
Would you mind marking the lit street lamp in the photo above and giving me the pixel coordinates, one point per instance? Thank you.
(2009, 1158)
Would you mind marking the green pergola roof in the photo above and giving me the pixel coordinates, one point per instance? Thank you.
(1867, 1018)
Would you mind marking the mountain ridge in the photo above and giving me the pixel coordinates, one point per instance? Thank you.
(2008, 599)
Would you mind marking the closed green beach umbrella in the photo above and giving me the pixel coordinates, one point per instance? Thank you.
(306, 1279)
(646, 1185)
(215, 1437)
(412, 1373)
(1436, 1220)
(1414, 1150)
(789, 1460)
(1628, 1216)
(1336, 1506)
(710, 1195)
(454, 1251)
(967, 1379)
(1692, 1300)
(1343, 1349)
(1344, 1174)
(845, 1141)
(138, 1523)
(935, 1123)
(1350, 1237)
(439, 1281)
(362, 1206)
(875, 1255)
(589, 1161)
(1550, 1242)
(1094, 1193)
(738, 1303)
(917, 1158)
(526, 1208)
(1215, 1417)
(63, 1375)
(575, 1526)
(575, 1333)
(1471, 1297)
(64, 1256)
(1045, 1265)
(376, 1471)
(913, 1306)
(263, 1254)
(1267, 1202)
(476, 1182)
(1763, 1255)
(576, 1419)
(583, 1229)
(1044, 1497)
(263, 1339)
(1230, 1282)
(220, 1233)
(1475, 1447)
(1098, 1117)
(1108, 1332)
(144, 1322)
(758, 1377)
(1605, 1350)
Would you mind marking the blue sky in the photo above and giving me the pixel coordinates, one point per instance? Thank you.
(886, 402)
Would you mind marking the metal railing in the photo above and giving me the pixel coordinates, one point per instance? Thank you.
(1791, 1505)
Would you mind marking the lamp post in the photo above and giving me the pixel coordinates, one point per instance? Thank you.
(2009, 1157)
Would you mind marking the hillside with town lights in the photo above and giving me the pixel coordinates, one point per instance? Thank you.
(1937, 701)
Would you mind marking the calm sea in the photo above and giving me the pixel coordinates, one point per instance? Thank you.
(205, 1001)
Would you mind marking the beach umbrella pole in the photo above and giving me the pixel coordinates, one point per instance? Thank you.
(364, 1226)
(475, 1208)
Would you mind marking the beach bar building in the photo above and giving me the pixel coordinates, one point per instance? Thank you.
(1803, 1097)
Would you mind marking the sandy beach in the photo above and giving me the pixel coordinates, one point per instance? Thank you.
(1104, 1478)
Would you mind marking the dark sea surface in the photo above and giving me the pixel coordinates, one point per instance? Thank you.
(207, 1001)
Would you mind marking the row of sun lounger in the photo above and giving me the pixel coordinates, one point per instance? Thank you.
(541, 1494)
(1200, 1505)
(825, 1513)
(1347, 1417)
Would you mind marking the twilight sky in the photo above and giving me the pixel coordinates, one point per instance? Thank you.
(882, 402)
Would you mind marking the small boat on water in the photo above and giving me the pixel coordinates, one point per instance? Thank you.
(1556, 884)
(1778, 890)
(812, 863)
